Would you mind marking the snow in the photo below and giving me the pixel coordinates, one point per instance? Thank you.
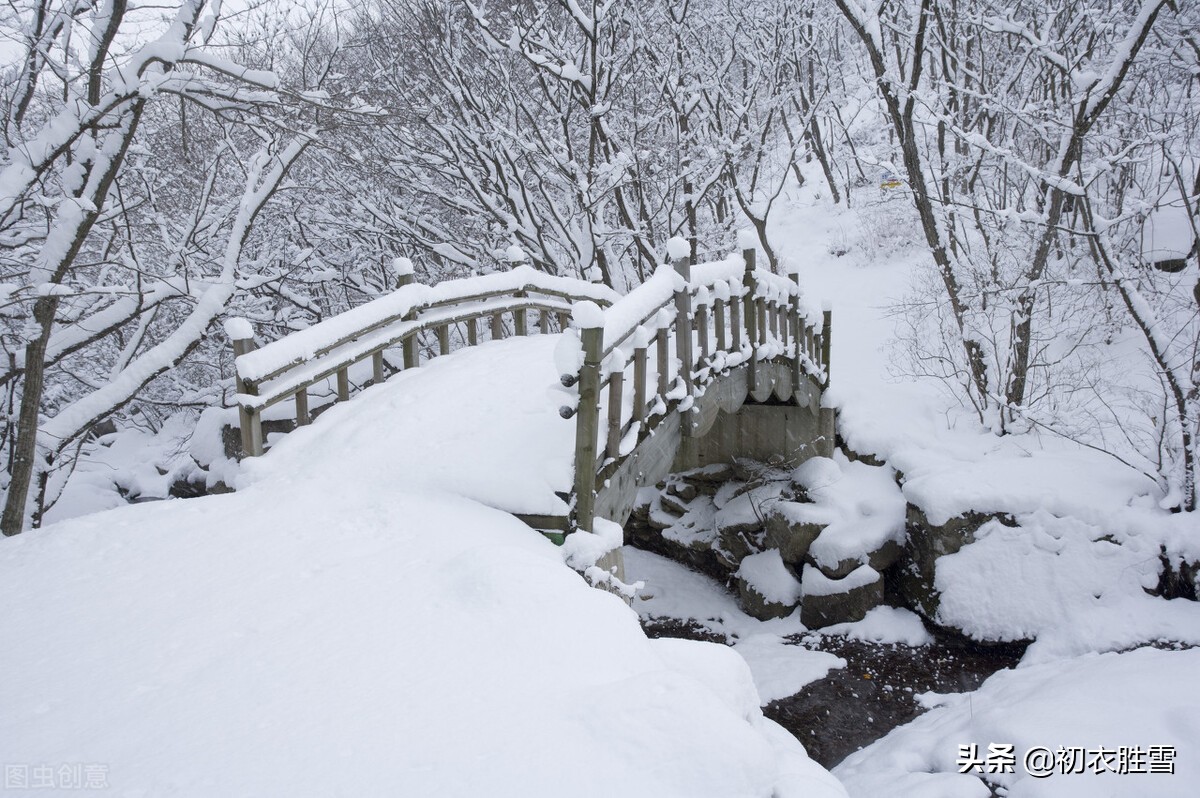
(354, 621)
(480, 423)
(767, 574)
(1136, 699)
(1071, 585)
(818, 584)
(780, 669)
(587, 315)
(747, 239)
(514, 254)
(239, 329)
(402, 267)
(678, 248)
(861, 504)
(885, 625)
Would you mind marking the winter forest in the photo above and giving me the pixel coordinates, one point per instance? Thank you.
(1001, 199)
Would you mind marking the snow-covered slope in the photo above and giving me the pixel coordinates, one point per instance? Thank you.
(346, 626)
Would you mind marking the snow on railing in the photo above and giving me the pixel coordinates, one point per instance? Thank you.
(290, 366)
(734, 313)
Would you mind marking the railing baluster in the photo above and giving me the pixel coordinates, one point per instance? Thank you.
(303, 418)
(377, 367)
(497, 325)
(520, 316)
(702, 332)
(411, 356)
(443, 335)
(749, 305)
(826, 330)
(639, 384)
(343, 384)
(544, 322)
(616, 386)
(472, 331)
(794, 322)
(735, 323)
(663, 354)
(562, 320)
(760, 310)
(719, 323)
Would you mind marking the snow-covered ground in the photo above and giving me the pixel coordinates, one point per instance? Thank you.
(1071, 575)
(348, 624)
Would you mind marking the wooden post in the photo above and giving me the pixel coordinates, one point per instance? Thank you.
(664, 356)
(719, 322)
(735, 323)
(443, 334)
(303, 418)
(702, 331)
(562, 321)
(750, 312)
(411, 356)
(587, 427)
(826, 329)
(497, 325)
(404, 278)
(795, 322)
(616, 387)
(343, 384)
(377, 367)
(544, 321)
(248, 419)
(760, 311)
(472, 331)
(809, 343)
(639, 385)
(749, 304)
(683, 324)
(520, 316)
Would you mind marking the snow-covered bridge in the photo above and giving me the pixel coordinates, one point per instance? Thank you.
(697, 365)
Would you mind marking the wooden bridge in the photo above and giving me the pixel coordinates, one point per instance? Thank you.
(700, 364)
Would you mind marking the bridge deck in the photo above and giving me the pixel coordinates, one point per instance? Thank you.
(482, 424)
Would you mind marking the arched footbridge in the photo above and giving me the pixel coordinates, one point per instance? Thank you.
(552, 398)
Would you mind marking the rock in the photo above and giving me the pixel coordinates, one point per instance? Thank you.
(686, 491)
(926, 543)
(672, 504)
(709, 477)
(881, 558)
(766, 588)
(830, 601)
(791, 537)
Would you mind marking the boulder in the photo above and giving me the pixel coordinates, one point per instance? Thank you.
(831, 601)
(766, 587)
(791, 536)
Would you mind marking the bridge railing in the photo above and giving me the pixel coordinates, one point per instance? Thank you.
(289, 367)
(682, 327)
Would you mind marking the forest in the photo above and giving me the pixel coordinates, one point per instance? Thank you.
(165, 168)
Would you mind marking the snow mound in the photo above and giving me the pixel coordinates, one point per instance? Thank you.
(885, 625)
(1138, 699)
(314, 635)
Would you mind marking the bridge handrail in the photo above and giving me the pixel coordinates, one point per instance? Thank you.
(765, 319)
(293, 364)
(278, 356)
